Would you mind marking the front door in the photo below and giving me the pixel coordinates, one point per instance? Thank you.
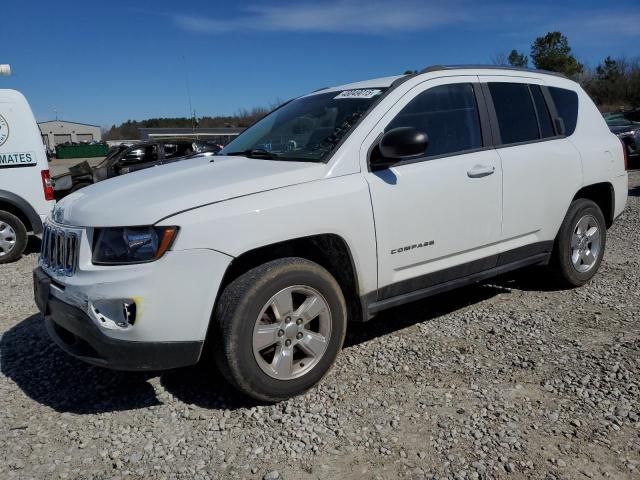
(438, 217)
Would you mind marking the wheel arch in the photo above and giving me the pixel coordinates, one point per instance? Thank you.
(18, 206)
(329, 250)
(603, 194)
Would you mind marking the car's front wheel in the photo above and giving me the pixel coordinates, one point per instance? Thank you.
(279, 328)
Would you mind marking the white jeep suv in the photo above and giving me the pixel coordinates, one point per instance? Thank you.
(333, 207)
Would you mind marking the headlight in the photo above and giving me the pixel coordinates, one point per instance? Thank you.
(125, 245)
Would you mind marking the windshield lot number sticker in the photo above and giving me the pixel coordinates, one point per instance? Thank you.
(360, 93)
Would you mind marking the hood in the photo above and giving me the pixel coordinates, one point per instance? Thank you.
(147, 196)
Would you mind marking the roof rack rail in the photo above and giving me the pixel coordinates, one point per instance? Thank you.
(436, 68)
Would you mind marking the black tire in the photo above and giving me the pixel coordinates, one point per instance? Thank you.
(561, 262)
(237, 312)
(79, 186)
(18, 237)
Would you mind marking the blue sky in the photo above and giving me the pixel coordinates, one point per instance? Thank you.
(105, 62)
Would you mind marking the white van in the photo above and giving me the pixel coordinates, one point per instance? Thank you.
(26, 194)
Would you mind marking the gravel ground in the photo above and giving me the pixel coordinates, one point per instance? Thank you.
(510, 379)
(58, 166)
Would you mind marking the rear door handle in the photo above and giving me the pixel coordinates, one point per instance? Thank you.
(479, 171)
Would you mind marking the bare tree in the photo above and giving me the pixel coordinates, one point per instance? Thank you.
(500, 58)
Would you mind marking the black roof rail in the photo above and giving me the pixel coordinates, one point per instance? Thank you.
(436, 68)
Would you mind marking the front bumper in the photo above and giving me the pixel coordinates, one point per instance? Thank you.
(75, 332)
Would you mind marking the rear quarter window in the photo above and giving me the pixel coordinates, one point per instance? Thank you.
(515, 111)
(566, 102)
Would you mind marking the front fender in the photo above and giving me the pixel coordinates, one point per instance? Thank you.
(339, 206)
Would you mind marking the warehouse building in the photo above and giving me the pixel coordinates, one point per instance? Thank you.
(220, 135)
(56, 132)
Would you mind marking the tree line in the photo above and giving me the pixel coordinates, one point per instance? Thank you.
(613, 84)
(129, 130)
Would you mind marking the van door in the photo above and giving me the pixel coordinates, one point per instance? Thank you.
(24, 169)
(541, 169)
(438, 217)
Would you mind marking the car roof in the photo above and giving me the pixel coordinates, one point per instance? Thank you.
(386, 82)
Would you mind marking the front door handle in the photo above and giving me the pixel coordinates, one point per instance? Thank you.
(479, 171)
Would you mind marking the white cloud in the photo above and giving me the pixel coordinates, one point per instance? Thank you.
(343, 16)
(394, 16)
(620, 23)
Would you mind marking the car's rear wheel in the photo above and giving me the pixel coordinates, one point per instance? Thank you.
(13, 237)
(279, 328)
(579, 246)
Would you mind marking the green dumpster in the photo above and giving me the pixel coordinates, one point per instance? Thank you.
(82, 151)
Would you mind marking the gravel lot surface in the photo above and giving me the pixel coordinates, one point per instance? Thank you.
(58, 166)
(510, 379)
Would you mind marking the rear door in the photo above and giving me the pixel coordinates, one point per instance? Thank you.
(541, 169)
(437, 217)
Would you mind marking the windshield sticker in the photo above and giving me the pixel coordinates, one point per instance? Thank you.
(360, 93)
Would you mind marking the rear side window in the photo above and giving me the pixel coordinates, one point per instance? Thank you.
(448, 114)
(567, 106)
(544, 118)
(515, 112)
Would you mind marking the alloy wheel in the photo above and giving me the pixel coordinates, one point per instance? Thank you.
(585, 243)
(292, 332)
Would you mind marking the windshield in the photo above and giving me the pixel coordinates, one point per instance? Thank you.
(305, 129)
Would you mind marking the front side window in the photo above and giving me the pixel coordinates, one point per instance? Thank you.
(514, 109)
(567, 106)
(448, 114)
(306, 129)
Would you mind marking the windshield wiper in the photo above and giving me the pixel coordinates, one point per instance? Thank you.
(256, 153)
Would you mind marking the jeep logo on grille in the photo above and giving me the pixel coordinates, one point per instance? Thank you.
(57, 214)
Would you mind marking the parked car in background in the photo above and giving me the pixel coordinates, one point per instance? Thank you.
(125, 159)
(26, 196)
(626, 125)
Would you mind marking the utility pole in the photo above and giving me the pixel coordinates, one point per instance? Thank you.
(192, 112)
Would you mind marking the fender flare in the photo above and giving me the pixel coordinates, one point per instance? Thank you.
(25, 207)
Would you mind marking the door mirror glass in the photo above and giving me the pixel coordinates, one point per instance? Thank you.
(403, 143)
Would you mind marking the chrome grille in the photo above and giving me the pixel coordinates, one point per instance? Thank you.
(60, 248)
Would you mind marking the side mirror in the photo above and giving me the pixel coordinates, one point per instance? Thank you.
(401, 143)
